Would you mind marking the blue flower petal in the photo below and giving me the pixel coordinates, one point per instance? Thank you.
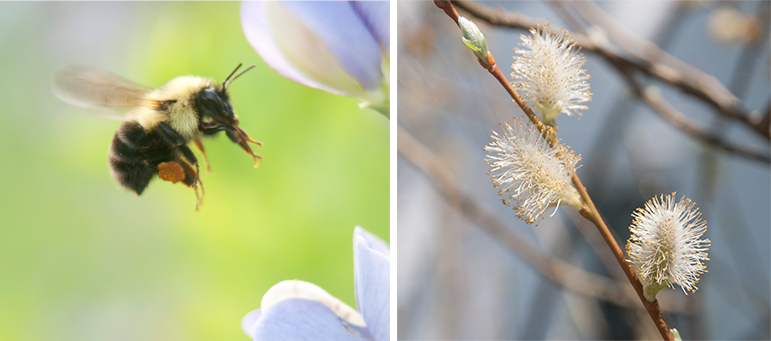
(249, 321)
(371, 241)
(345, 34)
(300, 319)
(254, 24)
(376, 15)
(371, 272)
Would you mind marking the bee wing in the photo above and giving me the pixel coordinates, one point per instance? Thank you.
(94, 88)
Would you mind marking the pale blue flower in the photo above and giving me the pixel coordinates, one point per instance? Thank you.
(298, 310)
(339, 46)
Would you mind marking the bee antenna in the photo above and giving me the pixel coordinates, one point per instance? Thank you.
(230, 80)
(234, 71)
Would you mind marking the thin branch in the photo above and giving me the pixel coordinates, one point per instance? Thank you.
(653, 62)
(589, 211)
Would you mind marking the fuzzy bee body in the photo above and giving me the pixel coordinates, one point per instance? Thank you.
(153, 139)
(135, 155)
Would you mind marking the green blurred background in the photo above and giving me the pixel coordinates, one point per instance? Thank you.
(83, 259)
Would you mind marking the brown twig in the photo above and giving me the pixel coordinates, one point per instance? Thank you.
(654, 62)
(589, 211)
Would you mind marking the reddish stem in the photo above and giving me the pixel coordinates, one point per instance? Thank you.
(589, 212)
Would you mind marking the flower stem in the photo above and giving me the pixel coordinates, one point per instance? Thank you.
(651, 289)
(589, 211)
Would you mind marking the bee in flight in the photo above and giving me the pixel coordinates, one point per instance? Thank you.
(154, 136)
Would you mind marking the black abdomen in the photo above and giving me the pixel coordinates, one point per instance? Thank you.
(135, 155)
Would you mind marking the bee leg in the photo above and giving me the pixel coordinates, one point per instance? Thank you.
(236, 135)
(171, 171)
(239, 137)
(173, 138)
(245, 137)
(207, 128)
(248, 138)
(192, 181)
(189, 160)
(199, 145)
(170, 136)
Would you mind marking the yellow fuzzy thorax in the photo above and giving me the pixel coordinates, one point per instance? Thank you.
(179, 115)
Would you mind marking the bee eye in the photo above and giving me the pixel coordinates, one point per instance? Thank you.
(215, 107)
(210, 95)
(210, 100)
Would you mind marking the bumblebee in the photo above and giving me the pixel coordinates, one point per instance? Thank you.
(154, 136)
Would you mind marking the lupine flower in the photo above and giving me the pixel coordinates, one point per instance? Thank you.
(664, 245)
(549, 73)
(298, 310)
(339, 47)
(531, 175)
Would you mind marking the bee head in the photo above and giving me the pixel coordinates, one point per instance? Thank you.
(216, 102)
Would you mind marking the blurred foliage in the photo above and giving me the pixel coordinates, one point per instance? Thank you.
(83, 259)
